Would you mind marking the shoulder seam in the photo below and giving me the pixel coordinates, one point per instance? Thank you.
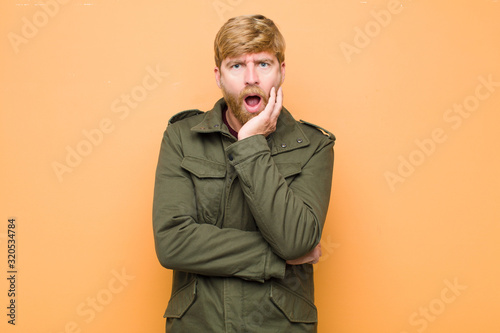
(319, 128)
(184, 115)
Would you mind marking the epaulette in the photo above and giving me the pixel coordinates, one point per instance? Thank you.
(183, 115)
(321, 129)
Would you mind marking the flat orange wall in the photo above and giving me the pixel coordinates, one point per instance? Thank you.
(411, 88)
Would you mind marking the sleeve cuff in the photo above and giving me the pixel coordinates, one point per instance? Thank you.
(275, 266)
(241, 150)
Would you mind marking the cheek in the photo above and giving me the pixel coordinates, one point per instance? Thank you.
(280, 79)
(231, 86)
(275, 80)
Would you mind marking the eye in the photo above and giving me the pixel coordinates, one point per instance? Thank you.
(264, 64)
(236, 66)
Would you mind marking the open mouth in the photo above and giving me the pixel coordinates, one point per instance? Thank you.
(252, 103)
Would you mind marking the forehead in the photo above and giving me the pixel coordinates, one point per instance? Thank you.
(252, 57)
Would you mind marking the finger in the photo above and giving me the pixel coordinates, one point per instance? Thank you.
(271, 102)
(279, 103)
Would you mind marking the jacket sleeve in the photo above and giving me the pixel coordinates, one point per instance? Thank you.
(183, 244)
(290, 218)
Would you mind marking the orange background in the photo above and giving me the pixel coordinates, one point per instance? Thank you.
(411, 243)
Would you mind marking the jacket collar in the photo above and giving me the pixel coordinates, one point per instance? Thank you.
(288, 135)
(212, 121)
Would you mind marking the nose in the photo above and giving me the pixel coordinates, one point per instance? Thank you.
(251, 75)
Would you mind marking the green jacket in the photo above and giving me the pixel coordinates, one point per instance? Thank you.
(227, 214)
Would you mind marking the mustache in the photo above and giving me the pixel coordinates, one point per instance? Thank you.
(253, 90)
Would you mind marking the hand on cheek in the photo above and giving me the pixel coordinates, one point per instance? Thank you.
(265, 122)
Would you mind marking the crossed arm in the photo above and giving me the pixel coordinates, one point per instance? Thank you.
(183, 244)
(265, 124)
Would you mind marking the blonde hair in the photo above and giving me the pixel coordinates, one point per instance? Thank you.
(248, 34)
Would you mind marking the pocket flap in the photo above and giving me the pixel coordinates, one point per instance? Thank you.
(288, 169)
(181, 301)
(296, 308)
(203, 168)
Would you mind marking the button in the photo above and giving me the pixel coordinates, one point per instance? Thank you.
(299, 140)
(230, 156)
(283, 145)
(216, 125)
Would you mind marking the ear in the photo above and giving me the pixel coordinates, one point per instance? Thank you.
(282, 72)
(217, 76)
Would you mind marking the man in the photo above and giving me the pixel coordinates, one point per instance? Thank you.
(241, 196)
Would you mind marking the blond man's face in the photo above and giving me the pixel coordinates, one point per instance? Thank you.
(246, 82)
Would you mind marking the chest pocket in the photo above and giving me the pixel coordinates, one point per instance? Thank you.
(208, 179)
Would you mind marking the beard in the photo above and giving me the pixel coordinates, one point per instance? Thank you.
(237, 103)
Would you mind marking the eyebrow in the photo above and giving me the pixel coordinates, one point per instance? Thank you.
(233, 62)
(264, 60)
(257, 61)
